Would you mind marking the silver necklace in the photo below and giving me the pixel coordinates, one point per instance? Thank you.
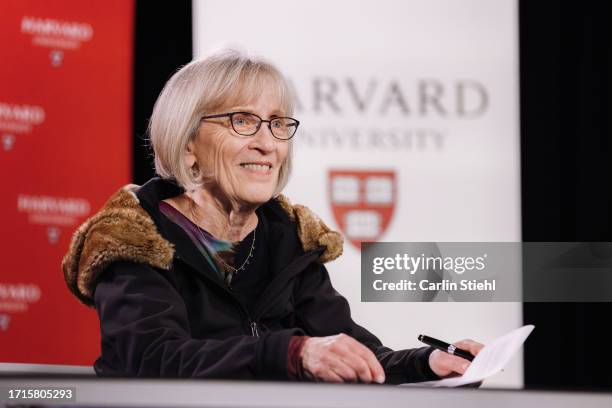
(232, 269)
(246, 261)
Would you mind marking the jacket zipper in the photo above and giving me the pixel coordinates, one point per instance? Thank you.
(264, 306)
(254, 331)
(252, 322)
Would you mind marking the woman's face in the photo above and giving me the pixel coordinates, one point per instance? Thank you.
(242, 169)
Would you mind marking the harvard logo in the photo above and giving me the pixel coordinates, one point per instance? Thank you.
(56, 57)
(362, 202)
(8, 141)
(53, 234)
(4, 322)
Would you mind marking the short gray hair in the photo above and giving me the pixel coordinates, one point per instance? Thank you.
(223, 78)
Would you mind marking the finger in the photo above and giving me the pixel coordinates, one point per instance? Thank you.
(470, 345)
(456, 364)
(359, 366)
(331, 376)
(343, 370)
(357, 363)
(377, 373)
(325, 372)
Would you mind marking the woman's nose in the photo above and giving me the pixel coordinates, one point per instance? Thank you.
(264, 138)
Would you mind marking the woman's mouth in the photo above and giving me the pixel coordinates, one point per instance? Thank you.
(258, 167)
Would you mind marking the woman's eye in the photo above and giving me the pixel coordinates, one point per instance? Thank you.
(277, 123)
(242, 121)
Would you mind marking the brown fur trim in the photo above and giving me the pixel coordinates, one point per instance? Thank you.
(312, 231)
(121, 230)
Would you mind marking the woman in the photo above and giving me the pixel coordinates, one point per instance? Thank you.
(208, 271)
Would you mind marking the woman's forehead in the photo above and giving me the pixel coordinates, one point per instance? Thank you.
(252, 96)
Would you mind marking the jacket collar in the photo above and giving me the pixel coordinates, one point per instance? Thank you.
(131, 227)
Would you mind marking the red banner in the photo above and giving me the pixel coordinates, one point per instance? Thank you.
(65, 134)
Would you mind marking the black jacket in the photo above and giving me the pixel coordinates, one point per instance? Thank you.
(165, 313)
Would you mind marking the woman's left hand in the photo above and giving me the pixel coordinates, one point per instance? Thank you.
(444, 364)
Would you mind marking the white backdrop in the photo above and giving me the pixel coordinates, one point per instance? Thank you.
(426, 91)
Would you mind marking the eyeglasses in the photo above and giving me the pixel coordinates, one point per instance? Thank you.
(247, 124)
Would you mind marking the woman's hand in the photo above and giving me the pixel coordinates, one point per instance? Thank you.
(444, 364)
(340, 358)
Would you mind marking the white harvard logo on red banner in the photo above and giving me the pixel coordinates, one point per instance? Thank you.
(53, 211)
(48, 32)
(18, 119)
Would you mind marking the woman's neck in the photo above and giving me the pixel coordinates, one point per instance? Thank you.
(224, 219)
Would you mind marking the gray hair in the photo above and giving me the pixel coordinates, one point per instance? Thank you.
(223, 78)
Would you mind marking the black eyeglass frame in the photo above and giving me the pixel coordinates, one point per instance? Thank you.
(268, 121)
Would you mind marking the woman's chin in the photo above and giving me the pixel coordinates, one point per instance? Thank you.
(256, 198)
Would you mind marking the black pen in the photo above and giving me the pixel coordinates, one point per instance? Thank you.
(449, 348)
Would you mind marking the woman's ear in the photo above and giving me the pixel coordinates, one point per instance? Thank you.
(190, 157)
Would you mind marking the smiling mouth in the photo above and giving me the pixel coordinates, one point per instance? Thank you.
(258, 167)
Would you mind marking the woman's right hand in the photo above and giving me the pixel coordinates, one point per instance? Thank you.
(340, 358)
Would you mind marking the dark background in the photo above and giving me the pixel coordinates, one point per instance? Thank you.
(566, 161)
(566, 164)
(162, 44)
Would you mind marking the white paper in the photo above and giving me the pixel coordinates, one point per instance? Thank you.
(491, 359)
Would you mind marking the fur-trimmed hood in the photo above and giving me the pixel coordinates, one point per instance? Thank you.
(124, 231)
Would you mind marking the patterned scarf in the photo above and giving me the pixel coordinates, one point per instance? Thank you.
(209, 246)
